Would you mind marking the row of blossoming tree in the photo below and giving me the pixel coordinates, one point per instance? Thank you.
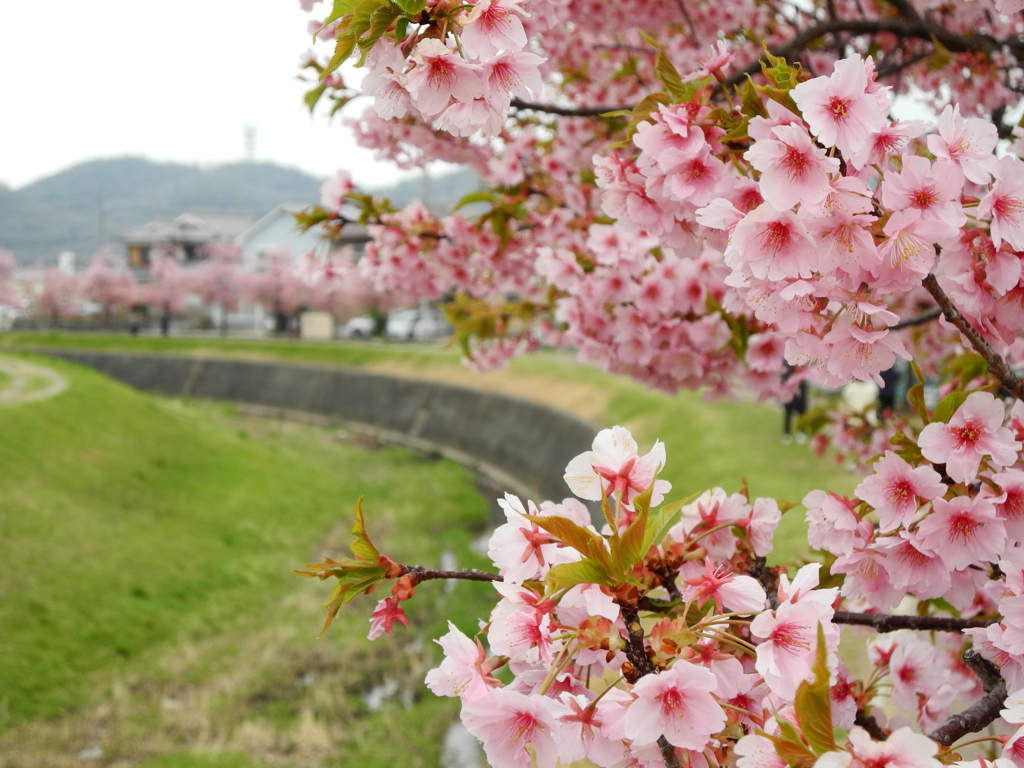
(281, 287)
(716, 195)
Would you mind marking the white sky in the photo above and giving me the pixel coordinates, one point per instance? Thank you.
(170, 81)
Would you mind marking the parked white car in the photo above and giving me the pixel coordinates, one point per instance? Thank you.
(431, 325)
(360, 327)
(402, 323)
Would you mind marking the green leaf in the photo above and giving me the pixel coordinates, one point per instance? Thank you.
(362, 547)
(313, 96)
(401, 29)
(813, 704)
(916, 394)
(341, 8)
(789, 747)
(658, 524)
(967, 367)
(581, 572)
(607, 509)
(629, 548)
(353, 26)
(381, 19)
(412, 7)
(479, 196)
(669, 75)
(947, 406)
(587, 542)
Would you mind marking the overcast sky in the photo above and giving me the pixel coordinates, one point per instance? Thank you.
(170, 81)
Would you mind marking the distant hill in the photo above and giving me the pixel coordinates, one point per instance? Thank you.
(76, 208)
(67, 210)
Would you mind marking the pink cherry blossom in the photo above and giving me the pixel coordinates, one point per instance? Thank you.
(793, 169)
(790, 637)
(463, 672)
(615, 465)
(838, 108)
(727, 591)
(491, 26)
(764, 520)
(963, 531)
(387, 612)
(895, 487)
(440, 75)
(973, 432)
(1005, 203)
(678, 704)
(903, 749)
(969, 143)
(772, 244)
(334, 190)
(511, 725)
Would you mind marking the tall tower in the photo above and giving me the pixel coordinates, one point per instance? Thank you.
(249, 139)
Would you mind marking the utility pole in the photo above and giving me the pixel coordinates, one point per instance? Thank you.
(101, 235)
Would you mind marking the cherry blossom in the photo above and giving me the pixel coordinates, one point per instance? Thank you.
(615, 467)
(973, 432)
(676, 704)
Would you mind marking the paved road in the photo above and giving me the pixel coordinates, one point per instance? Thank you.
(29, 381)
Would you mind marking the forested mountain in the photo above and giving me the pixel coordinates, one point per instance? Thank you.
(75, 209)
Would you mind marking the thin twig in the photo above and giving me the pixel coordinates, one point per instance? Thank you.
(925, 317)
(996, 365)
(469, 574)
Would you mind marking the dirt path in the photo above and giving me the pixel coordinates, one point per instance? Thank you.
(28, 382)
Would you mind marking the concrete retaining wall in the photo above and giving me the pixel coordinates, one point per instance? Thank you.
(520, 446)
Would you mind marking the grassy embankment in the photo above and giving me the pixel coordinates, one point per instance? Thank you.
(148, 556)
(147, 601)
(706, 444)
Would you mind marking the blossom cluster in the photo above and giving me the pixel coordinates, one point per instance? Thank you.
(683, 646)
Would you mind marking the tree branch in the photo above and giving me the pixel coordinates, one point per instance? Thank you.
(553, 109)
(469, 574)
(996, 365)
(982, 712)
(919, 29)
(885, 622)
(921, 319)
(637, 655)
(870, 724)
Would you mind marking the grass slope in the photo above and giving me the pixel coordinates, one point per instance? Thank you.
(147, 546)
(707, 444)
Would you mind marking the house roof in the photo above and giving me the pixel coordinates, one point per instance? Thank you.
(190, 228)
(353, 233)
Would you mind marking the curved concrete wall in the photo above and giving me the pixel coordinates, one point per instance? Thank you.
(521, 446)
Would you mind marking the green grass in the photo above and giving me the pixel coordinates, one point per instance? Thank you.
(197, 760)
(706, 444)
(133, 527)
(148, 544)
(5, 380)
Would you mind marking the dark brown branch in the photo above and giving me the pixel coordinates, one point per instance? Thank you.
(869, 724)
(921, 319)
(767, 578)
(553, 109)
(996, 365)
(637, 655)
(885, 622)
(469, 574)
(982, 712)
(919, 29)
